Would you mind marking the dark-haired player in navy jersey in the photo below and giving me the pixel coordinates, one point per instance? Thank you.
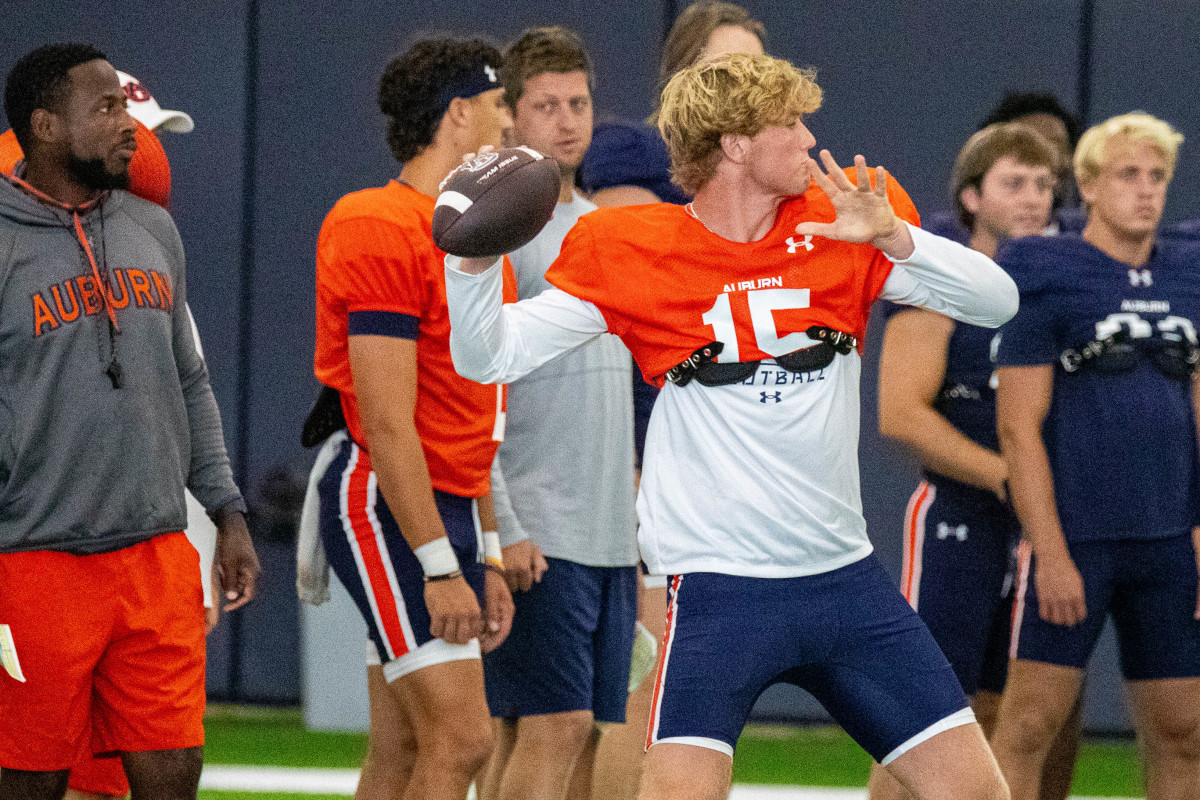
(1096, 417)
(937, 395)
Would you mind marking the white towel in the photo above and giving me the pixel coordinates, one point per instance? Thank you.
(312, 569)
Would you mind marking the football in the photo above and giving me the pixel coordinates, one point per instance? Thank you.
(495, 203)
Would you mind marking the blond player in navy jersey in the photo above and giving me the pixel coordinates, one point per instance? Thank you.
(1097, 423)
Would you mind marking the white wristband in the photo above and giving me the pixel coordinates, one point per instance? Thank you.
(491, 547)
(437, 557)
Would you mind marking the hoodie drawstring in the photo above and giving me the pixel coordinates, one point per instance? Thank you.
(102, 285)
(104, 289)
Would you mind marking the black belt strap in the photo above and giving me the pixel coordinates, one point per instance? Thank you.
(324, 419)
(703, 366)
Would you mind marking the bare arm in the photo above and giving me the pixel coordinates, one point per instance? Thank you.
(912, 368)
(1022, 403)
(384, 370)
(385, 381)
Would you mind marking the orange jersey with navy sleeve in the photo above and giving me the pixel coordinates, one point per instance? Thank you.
(668, 286)
(379, 273)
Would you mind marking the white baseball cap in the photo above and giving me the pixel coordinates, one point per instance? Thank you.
(145, 109)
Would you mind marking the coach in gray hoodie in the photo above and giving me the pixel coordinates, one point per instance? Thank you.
(106, 413)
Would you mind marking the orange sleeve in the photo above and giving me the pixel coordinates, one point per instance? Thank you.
(578, 271)
(902, 204)
(375, 267)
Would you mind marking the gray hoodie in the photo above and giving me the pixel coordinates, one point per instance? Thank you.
(90, 461)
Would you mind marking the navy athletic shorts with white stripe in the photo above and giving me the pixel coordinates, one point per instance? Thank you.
(1148, 585)
(958, 573)
(370, 557)
(846, 636)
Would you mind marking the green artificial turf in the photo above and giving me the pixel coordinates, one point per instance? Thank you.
(774, 754)
(276, 737)
(206, 795)
(1108, 769)
(800, 757)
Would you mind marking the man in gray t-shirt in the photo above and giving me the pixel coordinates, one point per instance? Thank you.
(563, 483)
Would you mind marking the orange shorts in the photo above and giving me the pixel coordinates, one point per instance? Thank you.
(112, 648)
(92, 775)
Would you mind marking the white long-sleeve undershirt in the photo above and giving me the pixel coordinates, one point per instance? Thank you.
(491, 342)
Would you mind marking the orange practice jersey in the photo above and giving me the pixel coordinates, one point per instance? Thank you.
(667, 286)
(379, 272)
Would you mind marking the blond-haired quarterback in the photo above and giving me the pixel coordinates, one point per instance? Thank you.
(746, 306)
(1096, 412)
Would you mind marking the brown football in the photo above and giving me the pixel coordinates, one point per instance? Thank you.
(495, 203)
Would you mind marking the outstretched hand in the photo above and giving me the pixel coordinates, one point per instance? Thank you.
(864, 214)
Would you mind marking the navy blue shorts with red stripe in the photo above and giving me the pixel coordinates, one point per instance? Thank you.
(845, 636)
(958, 573)
(1148, 585)
(370, 557)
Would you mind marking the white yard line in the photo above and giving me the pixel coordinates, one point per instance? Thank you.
(306, 780)
(299, 780)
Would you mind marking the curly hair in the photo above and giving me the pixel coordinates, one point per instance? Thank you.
(541, 50)
(739, 94)
(1015, 105)
(41, 80)
(412, 86)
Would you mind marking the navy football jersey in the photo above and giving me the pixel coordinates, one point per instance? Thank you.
(1121, 435)
(968, 397)
(944, 223)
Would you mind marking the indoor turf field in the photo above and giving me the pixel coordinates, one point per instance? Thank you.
(308, 765)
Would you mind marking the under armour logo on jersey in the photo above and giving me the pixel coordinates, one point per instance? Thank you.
(806, 243)
(1140, 277)
(959, 532)
(491, 72)
(776, 396)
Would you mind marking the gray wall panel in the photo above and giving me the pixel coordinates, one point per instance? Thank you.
(190, 56)
(1146, 56)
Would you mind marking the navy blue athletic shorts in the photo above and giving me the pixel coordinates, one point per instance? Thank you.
(373, 561)
(958, 573)
(845, 636)
(570, 646)
(1148, 585)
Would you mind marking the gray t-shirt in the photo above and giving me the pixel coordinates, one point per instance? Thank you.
(564, 472)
